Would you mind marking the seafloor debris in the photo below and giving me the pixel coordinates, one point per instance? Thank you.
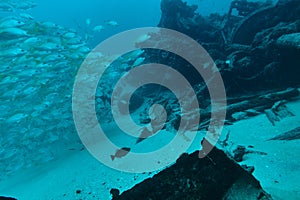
(272, 116)
(253, 71)
(7, 198)
(258, 103)
(249, 169)
(194, 178)
(293, 134)
(114, 193)
(240, 151)
(257, 55)
(289, 41)
(278, 112)
(253, 52)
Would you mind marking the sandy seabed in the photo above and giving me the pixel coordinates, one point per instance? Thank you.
(78, 175)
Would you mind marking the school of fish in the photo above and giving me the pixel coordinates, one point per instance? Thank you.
(38, 65)
(38, 62)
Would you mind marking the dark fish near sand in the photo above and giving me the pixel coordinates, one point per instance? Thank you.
(144, 135)
(120, 153)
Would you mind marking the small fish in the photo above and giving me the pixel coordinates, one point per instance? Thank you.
(6, 7)
(32, 41)
(74, 41)
(144, 135)
(138, 61)
(49, 46)
(84, 49)
(15, 52)
(112, 23)
(11, 23)
(13, 31)
(26, 16)
(69, 35)
(98, 28)
(88, 36)
(142, 38)
(120, 153)
(24, 5)
(17, 117)
(132, 55)
(88, 22)
(49, 25)
(53, 57)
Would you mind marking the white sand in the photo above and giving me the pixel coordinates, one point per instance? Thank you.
(78, 170)
(278, 171)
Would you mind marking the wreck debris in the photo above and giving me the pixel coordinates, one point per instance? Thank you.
(263, 101)
(224, 143)
(244, 7)
(289, 41)
(194, 178)
(253, 105)
(293, 134)
(278, 111)
(249, 51)
(253, 52)
(246, 30)
(247, 168)
(240, 151)
(272, 116)
(281, 109)
(263, 18)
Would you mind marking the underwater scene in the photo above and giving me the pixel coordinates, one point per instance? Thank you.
(150, 100)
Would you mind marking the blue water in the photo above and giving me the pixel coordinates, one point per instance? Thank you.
(129, 14)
